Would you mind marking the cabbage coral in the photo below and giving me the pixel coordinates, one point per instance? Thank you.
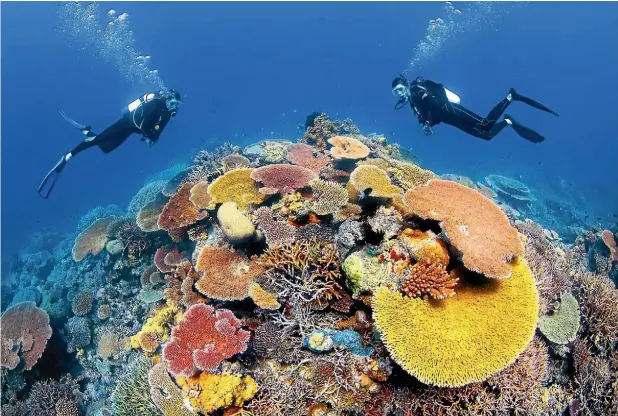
(561, 326)
(474, 225)
(463, 339)
(235, 186)
(92, 239)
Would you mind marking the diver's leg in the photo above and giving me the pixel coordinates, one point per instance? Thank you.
(497, 111)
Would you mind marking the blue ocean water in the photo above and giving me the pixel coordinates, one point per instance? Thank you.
(250, 71)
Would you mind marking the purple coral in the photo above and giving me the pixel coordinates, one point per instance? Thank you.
(275, 232)
(282, 179)
(25, 331)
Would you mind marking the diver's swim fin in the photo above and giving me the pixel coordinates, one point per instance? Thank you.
(86, 130)
(518, 97)
(523, 131)
(51, 178)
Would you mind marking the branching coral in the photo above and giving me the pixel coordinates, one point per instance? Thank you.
(276, 232)
(209, 392)
(562, 325)
(272, 342)
(179, 211)
(92, 239)
(428, 278)
(347, 148)
(463, 339)
(303, 155)
(282, 178)
(130, 397)
(226, 274)
(25, 331)
(236, 186)
(148, 216)
(203, 339)
(474, 225)
(328, 197)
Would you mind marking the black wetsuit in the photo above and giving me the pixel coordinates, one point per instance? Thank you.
(430, 103)
(147, 117)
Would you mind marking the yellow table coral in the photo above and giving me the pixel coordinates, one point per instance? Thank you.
(463, 339)
(235, 186)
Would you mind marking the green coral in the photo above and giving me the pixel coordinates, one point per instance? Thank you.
(131, 397)
(150, 295)
(366, 273)
(561, 326)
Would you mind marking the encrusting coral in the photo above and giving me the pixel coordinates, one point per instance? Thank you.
(479, 331)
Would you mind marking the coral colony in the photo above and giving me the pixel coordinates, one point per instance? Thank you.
(332, 276)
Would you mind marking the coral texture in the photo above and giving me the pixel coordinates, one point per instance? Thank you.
(366, 177)
(276, 232)
(25, 331)
(209, 392)
(328, 197)
(282, 178)
(166, 394)
(463, 339)
(199, 195)
(92, 239)
(428, 278)
(203, 339)
(473, 224)
(237, 186)
(179, 211)
(148, 216)
(302, 154)
(562, 325)
(347, 148)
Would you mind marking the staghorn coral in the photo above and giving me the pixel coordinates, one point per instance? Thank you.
(203, 339)
(597, 392)
(428, 278)
(198, 195)
(562, 325)
(46, 395)
(463, 339)
(148, 216)
(237, 186)
(328, 197)
(226, 274)
(25, 332)
(210, 392)
(282, 178)
(474, 225)
(276, 232)
(179, 212)
(347, 148)
(92, 239)
(303, 155)
(166, 395)
(82, 303)
(367, 177)
(129, 396)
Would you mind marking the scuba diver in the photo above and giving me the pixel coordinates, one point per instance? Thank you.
(433, 103)
(148, 115)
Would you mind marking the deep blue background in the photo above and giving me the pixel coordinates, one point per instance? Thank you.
(257, 68)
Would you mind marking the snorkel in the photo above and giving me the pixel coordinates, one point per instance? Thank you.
(400, 89)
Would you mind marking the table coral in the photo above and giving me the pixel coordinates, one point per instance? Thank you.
(562, 325)
(367, 177)
(92, 239)
(347, 148)
(474, 225)
(148, 216)
(199, 195)
(237, 186)
(303, 155)
(463, 339)
(25, 332)
(203, 339)
(282, 178)
(179, 211)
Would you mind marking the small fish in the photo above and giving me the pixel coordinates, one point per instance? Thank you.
(364, 194)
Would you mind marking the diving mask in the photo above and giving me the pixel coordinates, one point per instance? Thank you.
(172, 106)
(401, 91)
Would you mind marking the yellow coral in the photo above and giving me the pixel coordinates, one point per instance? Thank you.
(263, 298)
(235, 186)
(463, 339)
(155, 328)
(422, 245)
(209, 392)
(367, 176)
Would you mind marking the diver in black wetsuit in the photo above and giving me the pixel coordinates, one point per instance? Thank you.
(433, 103)
(148, 116)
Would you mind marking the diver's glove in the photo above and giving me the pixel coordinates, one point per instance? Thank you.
(427, 130)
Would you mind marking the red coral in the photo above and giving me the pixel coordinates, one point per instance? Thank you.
(302, 154)
(282, 179)
(179, 211)
(203, 339)
(25, 331)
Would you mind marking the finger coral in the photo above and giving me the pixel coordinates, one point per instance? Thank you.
(203, 339)
(428, 278)
(303, 155)
(25, 332)
(226, 274)
(474, 225)
(562, 325)
(179, 211)
(209, 392)
(463, 339)
(328, 197)
(366, 177)
(347, 148)
(237, 186)
(282, 178)
(92, 239)
(148, 216)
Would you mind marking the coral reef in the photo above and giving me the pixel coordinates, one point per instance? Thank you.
(282, 179)
(237, 186)
(179, 211)
(561, 326)
(92, 239)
